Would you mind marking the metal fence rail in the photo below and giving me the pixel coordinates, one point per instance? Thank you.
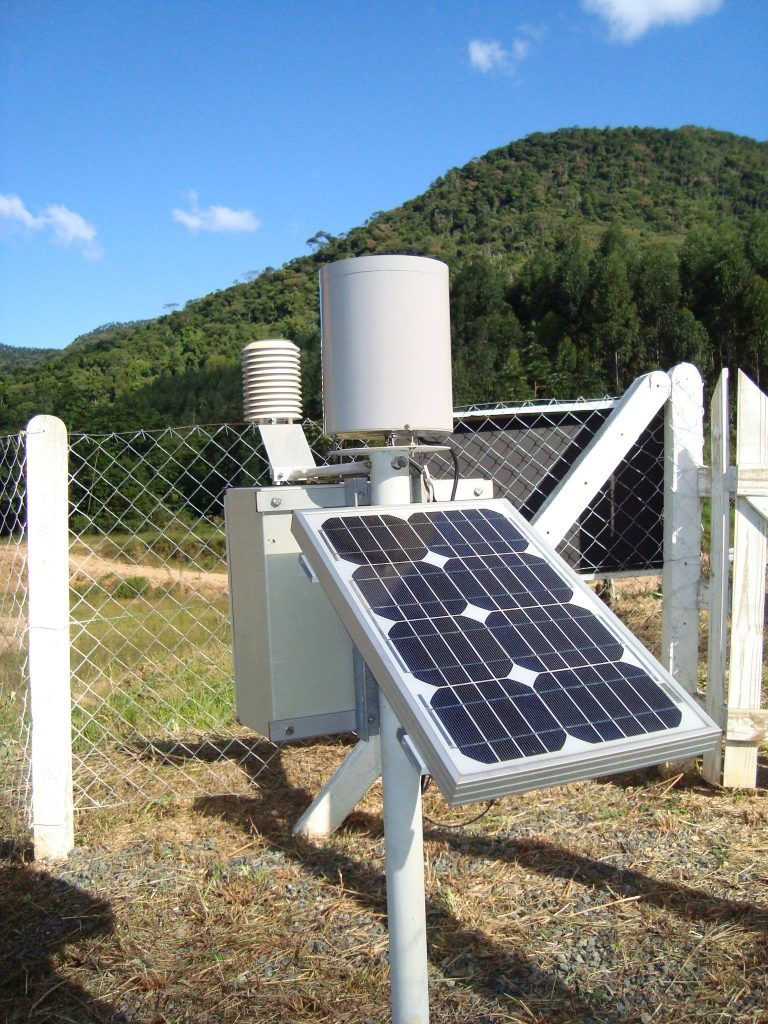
(152, 698)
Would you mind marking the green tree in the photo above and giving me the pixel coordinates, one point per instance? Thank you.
(612, 311)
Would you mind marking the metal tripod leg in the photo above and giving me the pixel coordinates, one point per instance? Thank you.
(343, 791)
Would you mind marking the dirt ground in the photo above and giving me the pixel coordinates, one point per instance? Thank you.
(86, 567)
(631, 900)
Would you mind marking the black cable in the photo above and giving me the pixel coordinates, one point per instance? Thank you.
(461, 824)
(454, 457)
(426, 782)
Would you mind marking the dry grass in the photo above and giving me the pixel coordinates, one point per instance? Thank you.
(626, 900)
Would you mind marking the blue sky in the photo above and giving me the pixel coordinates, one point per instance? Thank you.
(152, 152)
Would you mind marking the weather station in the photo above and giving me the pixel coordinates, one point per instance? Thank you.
(424, 615)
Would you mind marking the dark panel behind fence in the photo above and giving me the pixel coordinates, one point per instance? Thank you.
(527, 452)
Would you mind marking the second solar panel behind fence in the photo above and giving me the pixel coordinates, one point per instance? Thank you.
(527, 450)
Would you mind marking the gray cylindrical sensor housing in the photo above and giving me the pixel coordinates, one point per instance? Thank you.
(386, 346)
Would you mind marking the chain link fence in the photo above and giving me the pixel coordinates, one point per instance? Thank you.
(15, 763)
(152, 699)
(527, 450)
(152, 695)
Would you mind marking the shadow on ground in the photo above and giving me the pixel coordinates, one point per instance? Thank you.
(495, 969)
(39, 917)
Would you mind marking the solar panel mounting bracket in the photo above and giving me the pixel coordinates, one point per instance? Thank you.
(367, 719)
(411, 752)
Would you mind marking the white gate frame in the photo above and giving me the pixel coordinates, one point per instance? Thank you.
(743, 722)
(682, 394)
(717, 483)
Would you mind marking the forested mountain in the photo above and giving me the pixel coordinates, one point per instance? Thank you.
(19, 355)
(578, 259)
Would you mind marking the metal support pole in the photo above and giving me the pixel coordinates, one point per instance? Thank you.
(404, 843)
(403, 829)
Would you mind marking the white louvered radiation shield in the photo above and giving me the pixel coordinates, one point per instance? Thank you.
(271, 381)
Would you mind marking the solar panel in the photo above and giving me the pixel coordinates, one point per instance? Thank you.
(507, 672)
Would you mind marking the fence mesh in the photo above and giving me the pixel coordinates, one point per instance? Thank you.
(15, 761)
(153, 709)
(152, 697)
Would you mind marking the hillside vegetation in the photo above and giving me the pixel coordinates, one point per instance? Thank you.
(578, 259)
(19, 355)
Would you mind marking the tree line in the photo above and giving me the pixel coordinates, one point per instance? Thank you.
(579, 259)
(586, 316)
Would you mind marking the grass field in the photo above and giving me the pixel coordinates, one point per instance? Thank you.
(196, 546)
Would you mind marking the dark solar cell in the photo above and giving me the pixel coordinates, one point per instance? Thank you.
(520, 716)
(408, 590)
(488, 530)
(492, 609)
(458, 647)
(374, 540)
(508, 581)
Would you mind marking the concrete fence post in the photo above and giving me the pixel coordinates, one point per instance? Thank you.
(48, 636)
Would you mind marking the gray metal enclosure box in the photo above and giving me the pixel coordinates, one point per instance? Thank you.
(293, 659)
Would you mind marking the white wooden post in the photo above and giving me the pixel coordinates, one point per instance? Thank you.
(48, 636)
(748, 604)
(683, 457)
(719, 567)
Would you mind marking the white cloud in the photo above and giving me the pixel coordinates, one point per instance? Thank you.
(67, 227)
(12, 209)
(630, 19)
(535, 32)
(489, 55)
(70, 228)
(520, 49)
(215, 218)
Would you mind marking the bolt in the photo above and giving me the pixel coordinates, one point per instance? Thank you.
(477, 491)
(371, 718)
(289, 730)
(399, 462)
(276, 502)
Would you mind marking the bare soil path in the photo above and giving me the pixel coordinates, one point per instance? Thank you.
(85, 565)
